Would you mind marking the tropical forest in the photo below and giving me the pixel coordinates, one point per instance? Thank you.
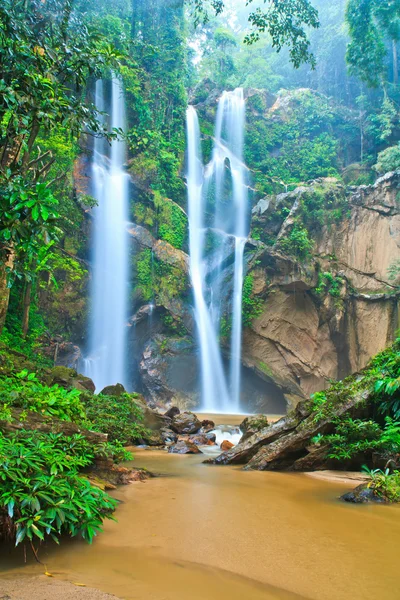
(199, 299)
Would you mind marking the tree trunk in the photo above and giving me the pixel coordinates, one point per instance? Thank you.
(26, 308)
(395, 63)
(6, 265)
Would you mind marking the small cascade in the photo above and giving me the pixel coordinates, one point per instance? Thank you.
(218, 229)
(106, 361)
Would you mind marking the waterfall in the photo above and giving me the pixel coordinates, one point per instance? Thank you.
(218, 229)
(106, 361)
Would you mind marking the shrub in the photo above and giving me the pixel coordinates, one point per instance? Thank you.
(297, 243)
(120, 417)
(25, 391)
(41, 493)
(388, 160)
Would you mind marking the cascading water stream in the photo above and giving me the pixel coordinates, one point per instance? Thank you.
(218, 219)
(106, 361)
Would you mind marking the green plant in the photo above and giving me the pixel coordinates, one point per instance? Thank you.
(329, 283)
(251, 304)
(118, 416)
(385, 484)
(297, 243)
(41, 493)
(25, 391)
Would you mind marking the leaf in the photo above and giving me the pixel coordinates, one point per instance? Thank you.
(44, 212)
(35, 212)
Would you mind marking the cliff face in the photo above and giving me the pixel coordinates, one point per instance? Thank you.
(325, 317)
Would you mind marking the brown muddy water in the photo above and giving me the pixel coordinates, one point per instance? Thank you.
(201, 532)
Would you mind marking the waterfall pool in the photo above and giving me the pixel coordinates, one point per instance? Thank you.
(202, 532)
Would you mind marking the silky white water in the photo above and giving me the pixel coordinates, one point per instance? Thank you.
(106, 361)
(218, 229)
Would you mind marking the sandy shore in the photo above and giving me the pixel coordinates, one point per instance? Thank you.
(41, 587)
(353, 478)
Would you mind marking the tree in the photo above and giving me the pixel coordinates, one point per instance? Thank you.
(284, 20)
(47, 54)
(371, 23)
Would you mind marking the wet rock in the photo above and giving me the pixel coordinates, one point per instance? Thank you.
(201, 439)
(211, 436)
(172, 412)
(155, 439)
(184, 447)
(117, 475)
(226, 445)
(186, 422)
(285, 445)
(363, 494)
(69, 378)
(169, 371)
(207, 425)
(151, 418)
(252, 424)
(168, 436)
(113, 390)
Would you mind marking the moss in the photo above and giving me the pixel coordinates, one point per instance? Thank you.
(251, 304)
(265, 369)
(173, 222)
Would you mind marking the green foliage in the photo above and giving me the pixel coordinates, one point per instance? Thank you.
(25, 391)
(329, 284)
(388, 160)
(47, 52)
(370, 22)
(120, 417)
(251, 304)
(173, 223)
(297, 243)
(144, 274)
(285, 22)
(41, 493)
(386, 485)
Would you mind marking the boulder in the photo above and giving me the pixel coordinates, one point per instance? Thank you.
(252, 424)
(201, 439)
(184, 447)
(226, 445)
(113, 390)
(69, 378)
(185, 422)
(172, 412)
(285, 444)
(363, 494)
(211, 436)
(207, 425)
(168, 436)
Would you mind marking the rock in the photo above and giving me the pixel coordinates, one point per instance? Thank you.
(117, 475)
(226, 445)
(155, 439)
(207, 425)
(211, 436)
(151, 418)
(362, 494)
(185, 422)
(184, 447)
(69, 378)
(113, 390)
(201, 439)
(285, 444)
(168, 436)
(172, 412)
(252, 424)
(169, 371)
